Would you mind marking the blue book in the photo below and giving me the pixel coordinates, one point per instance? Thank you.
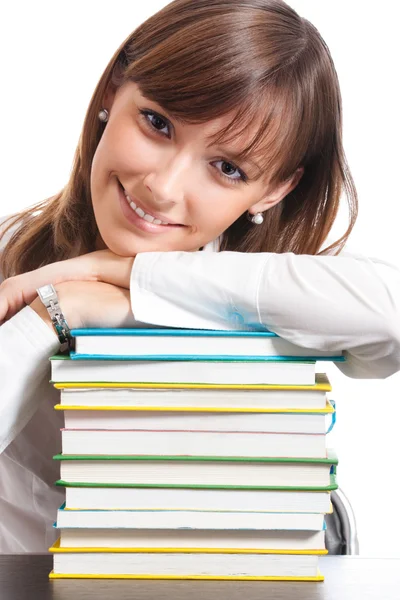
(161, 519)
(191, 344)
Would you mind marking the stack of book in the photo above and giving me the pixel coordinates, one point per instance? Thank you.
(192, 454)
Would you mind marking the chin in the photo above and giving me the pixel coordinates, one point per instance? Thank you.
(120, 250)
(116, 246)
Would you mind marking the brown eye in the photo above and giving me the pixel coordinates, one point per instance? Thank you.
(154, 121)
(231, 170)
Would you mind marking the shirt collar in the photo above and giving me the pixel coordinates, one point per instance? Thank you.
(213, 246)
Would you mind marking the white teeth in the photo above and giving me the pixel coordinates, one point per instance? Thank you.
(142, 214)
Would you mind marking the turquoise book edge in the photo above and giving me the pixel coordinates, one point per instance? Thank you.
(168, 332)
(305, 360)
(204, 357)
(157, 510)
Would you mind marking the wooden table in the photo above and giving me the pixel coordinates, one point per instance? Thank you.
(25, 576)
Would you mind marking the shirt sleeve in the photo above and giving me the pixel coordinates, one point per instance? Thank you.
(345, 302)
(26, 344)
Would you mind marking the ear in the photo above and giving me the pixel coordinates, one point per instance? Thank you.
(278, 193)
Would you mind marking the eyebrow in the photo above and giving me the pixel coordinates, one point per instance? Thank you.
(232, 155)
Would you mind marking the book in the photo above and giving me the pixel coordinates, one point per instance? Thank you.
(109, 497)
(187, 519)
(215, 372)
(107, 417)
(199, 471)
(127, 563)
(191, 443)
(195, 454)
(192, 397)
(163, 343)
(195, 540)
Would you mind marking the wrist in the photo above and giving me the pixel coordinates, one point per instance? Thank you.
(40, 310)
(113, 269)
(67, 307)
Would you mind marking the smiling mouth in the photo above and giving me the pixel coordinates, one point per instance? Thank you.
(143, 215)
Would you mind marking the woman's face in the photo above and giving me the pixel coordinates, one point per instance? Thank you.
(182, 193)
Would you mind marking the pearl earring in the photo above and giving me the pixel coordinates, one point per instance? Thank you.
(103, 115)
(257, 219)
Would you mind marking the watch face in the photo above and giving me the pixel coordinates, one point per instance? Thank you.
(46, 291)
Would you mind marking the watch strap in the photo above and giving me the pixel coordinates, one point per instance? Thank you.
(49, 298)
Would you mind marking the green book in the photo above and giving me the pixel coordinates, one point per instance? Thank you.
(105, 496)
(199, 471)
(72, 484)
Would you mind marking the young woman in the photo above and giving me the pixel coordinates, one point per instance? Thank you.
(206, 180)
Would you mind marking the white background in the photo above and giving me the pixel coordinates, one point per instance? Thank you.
(51, 57)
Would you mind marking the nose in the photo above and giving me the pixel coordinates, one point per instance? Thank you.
(168, 180)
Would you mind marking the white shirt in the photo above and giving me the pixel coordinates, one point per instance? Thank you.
(345, 302)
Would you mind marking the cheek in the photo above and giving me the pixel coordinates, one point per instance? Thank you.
(217, 210)
(129, 150)
(122, 149)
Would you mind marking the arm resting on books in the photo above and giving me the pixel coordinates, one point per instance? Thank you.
(318, 302)
(27, 340)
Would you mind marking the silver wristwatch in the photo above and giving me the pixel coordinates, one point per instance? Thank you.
(48, 296)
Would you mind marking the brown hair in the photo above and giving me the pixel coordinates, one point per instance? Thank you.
(200, 60)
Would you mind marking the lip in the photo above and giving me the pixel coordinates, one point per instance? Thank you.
(156, 215)
(140, 223)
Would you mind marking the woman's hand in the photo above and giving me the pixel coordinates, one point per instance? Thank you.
(101, 265)
(90, 304)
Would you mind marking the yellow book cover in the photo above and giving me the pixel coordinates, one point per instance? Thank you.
(53, 575)
(327, 410)
(321, 384)
(57, 549)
